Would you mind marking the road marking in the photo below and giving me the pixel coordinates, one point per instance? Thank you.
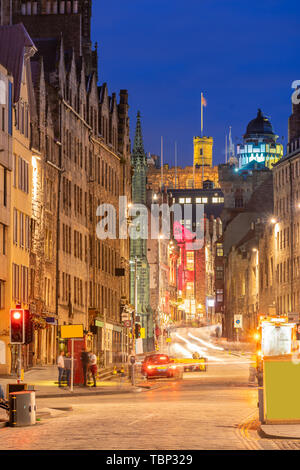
(141, 419)
(249, 441)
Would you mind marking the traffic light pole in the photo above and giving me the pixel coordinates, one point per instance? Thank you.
(17, 333)
(19, 362)
(135, 305)
(72, 365)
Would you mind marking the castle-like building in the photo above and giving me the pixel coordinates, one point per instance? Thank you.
(187, 177)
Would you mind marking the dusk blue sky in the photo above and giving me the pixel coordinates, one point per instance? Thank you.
(243, 55)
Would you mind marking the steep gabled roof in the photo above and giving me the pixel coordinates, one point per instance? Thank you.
(249, 236)
(15, 43)
(49, 50)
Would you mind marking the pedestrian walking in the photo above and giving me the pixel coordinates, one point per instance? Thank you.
(68, 366)
(1, 393)
(85, 365)
(61, 367)
(93, 367)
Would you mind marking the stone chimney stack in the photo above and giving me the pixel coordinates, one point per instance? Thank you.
(5, 12)
(294, 120)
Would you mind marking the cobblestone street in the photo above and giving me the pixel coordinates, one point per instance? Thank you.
(212, 410)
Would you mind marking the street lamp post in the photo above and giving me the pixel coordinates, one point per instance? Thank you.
(159, 292)
(135, 303)
(104, 338)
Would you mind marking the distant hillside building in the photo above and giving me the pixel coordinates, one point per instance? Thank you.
(188, 177)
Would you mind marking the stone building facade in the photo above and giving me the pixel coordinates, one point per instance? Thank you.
(163, 255)
(181, 178)
(16, 119)
(248, 209)
(6, 160)
(80, 150)
(287, 217)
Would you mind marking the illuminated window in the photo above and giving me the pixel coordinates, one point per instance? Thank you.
(217, 200)
(204, 200)
(188, 200)
(190, 289)
(181, 200)
(219, 273)
(219, 295)
(190, 261)
(2, 294)
(220, 249)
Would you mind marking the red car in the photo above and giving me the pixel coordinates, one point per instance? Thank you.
(160, 365)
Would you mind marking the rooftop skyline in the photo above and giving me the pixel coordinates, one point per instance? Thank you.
(241, 55)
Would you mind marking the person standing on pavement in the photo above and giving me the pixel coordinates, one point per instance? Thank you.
(1, 393)
(68, 366)
(61, 367)
(93, 367)
(85, 365)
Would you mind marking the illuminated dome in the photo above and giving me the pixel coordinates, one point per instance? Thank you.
(260, 144)
(259, 126)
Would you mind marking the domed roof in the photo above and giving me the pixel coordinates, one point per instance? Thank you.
(260, 125)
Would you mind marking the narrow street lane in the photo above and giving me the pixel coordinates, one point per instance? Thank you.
(212, 410)
(205, 410)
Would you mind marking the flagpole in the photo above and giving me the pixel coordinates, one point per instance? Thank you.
(226, 148)
(175, 165)
(202, 138)
(161, 163)
(201, 114)
(194, 172)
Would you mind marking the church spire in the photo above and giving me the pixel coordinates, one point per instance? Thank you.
(138, 146)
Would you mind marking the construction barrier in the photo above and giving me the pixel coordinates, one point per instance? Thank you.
(281, 385)
(193, 364)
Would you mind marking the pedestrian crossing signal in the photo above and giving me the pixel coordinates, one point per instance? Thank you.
(137, 330)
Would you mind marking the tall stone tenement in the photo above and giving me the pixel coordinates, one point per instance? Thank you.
(80, 139)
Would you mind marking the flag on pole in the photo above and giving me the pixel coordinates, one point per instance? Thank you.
(203, 103)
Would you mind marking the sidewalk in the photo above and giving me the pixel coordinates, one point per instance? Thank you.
(283, 431)
(45, 384)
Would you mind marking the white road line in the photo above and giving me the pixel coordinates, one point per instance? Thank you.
(141, 419)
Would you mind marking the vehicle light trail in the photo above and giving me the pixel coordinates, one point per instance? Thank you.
(189, 343)
(194, 347)
(209, 345)
(182, 350)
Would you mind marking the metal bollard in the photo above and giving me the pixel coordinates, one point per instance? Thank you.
(261, 404)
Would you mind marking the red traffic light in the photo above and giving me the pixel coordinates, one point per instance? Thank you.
(17, 326)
